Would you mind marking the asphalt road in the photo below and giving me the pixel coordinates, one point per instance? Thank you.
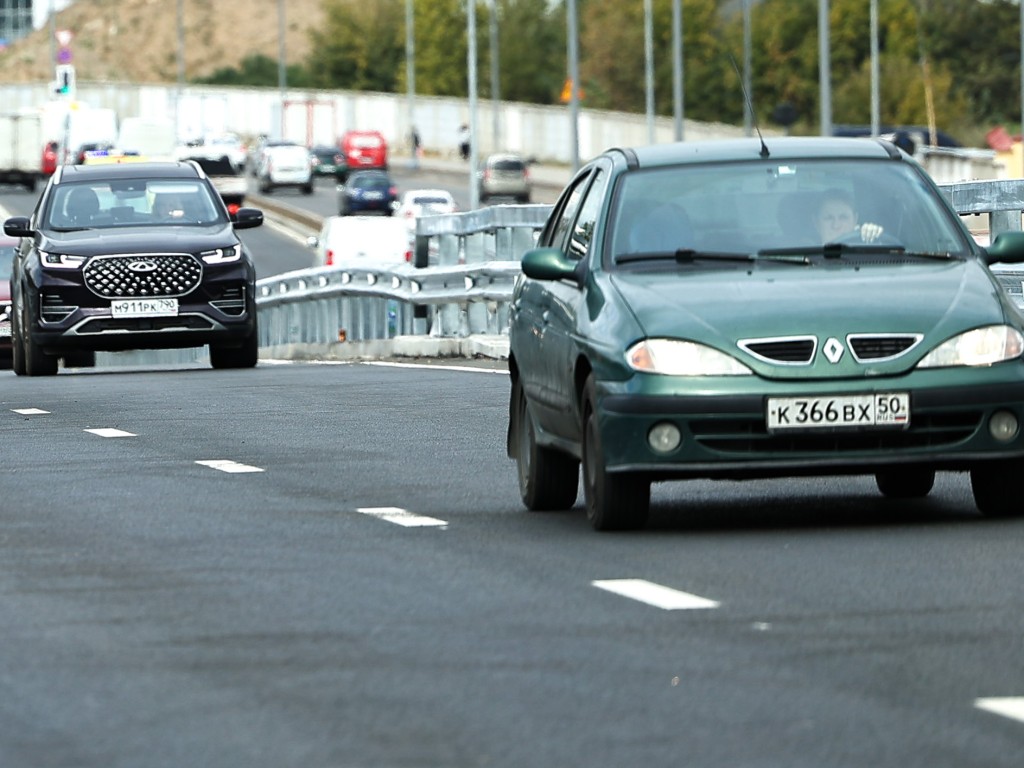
(328, 566)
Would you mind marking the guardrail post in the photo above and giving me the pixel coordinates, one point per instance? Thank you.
(475, 320)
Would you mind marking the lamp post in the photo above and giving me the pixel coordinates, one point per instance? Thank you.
(649, 70)
(574, 79)
(495, 78)
(875, 108)
(410, 77)
(824, 69)
(677, 68)
(282, 72)
(474, 195)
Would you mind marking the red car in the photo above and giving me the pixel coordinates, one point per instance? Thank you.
(7, 246)
(362, 151)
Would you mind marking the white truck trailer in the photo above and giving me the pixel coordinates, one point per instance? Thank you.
(21, 148)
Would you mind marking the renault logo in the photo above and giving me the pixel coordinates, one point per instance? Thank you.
(142, 266)
(833, 350)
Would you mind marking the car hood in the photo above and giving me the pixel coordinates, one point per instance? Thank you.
(721, 308)
(176, 239)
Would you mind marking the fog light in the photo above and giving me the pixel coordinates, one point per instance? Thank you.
(664, 437)
(1003, 426)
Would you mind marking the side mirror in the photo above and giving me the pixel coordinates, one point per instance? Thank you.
(550, 264)
(18, 226)
(247, 218)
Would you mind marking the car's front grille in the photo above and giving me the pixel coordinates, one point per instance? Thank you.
(154, 274)
(746, 437)
(873, 348)
(792, 350)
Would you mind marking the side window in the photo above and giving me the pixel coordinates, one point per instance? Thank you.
(555, 232)
(583, 230)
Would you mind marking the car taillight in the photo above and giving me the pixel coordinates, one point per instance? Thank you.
(330, 257)
(393, 191)
(408, 256)
(233, 208)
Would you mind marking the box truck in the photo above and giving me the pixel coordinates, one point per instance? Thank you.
(21, 148)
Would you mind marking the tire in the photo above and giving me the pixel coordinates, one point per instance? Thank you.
(245, 356)
(37, 362)
(17, 349)
(307, 189)
(615, 501)
(82, 359)
(906, 483)
(995, 486)
(548, 479)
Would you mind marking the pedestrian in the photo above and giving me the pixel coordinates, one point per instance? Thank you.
(416, 150)
(464, 141)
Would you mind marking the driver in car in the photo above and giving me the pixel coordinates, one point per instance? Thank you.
(836, 217)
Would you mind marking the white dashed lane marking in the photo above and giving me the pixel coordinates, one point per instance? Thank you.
(110, 432)
(29, 411)
(1009, 706)
(226, 465)
(654, 594)
(402, 517)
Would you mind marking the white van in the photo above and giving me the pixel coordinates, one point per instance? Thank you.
(362, 240)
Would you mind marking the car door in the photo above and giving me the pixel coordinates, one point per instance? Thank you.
(560, 345)
(531, 309)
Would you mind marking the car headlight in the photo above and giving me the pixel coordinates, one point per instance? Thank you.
(982, 346)
(673, 357)
(221, 255)
(60, 260)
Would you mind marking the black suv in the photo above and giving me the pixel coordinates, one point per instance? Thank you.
(131, 256)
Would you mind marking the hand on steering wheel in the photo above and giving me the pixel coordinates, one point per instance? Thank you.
(869, 231)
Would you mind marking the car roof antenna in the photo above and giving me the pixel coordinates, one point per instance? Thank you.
(753, 114)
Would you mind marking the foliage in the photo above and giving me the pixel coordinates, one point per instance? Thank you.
(928, 50)
(258, 70)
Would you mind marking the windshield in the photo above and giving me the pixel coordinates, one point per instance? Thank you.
(132, 202)
(781, 207)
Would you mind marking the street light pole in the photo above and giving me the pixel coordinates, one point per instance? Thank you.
(748, 117)
(824, 69)
(574, 79)
(410, 77)
(474, 193)
(282, 72)
(875, 99)
(677, 68)
(649, 69)
(495, 79)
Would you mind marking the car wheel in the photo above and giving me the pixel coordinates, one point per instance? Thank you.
(905, 483)
(615, 501)
(308, 189)
(548, 479)
(995, 487)
(245, 356)
(37, 362)
(82, 359)
(17, 349)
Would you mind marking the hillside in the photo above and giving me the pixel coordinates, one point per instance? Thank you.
(137, 40)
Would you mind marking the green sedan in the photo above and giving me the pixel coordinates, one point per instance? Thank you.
(752, 309)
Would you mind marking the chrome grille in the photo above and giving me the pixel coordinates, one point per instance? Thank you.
(155, 274)
(878, 347)
(790, 350)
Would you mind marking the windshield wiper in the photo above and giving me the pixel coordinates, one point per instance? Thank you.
(69, 229)
(683, 256)
(836, 250)
(690, 255)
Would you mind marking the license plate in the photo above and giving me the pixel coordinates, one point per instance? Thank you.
(888, 409)
(5, 328)
(374, 195)
(144, 307)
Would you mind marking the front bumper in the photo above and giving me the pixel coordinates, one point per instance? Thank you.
(725, 433)
(65, 315)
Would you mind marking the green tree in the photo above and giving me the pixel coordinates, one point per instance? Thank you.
(360, 45)
(257, 70)
(532, 51)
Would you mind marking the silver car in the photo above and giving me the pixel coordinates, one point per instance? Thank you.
(504, 175)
